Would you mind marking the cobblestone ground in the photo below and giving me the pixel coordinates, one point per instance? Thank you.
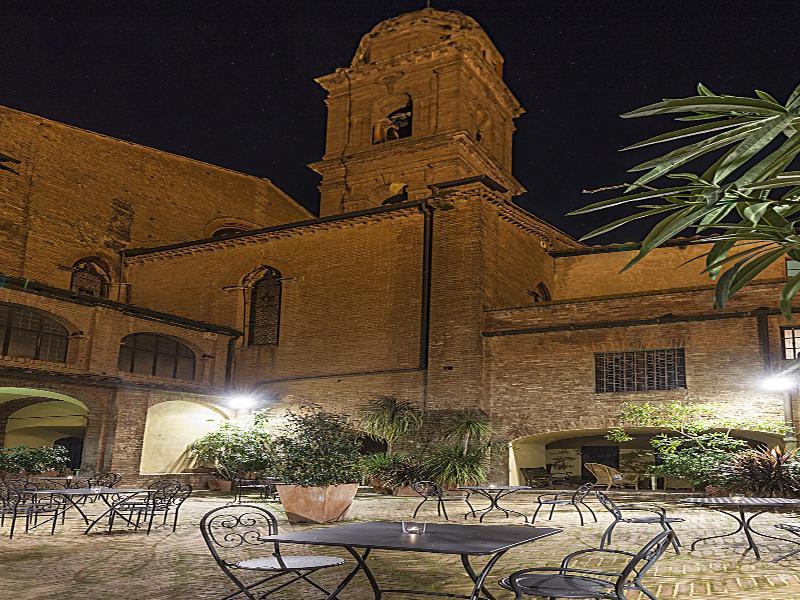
(131, 565)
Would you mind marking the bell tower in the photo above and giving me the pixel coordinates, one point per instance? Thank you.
(423, 102)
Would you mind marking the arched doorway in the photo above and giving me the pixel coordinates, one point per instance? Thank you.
(38, 418)
(568, 451)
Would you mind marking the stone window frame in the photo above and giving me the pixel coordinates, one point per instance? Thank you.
(790, 342)
(175, 353)
(41, 325)
(264, 280)
(660, 369)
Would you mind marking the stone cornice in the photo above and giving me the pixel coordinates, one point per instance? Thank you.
(380, 213)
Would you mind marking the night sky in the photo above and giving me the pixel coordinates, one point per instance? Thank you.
(231, 82)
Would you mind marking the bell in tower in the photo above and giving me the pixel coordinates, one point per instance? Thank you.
(423, 102)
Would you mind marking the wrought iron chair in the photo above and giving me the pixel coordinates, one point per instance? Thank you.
(533, 476)
(230, 531)
(18, 499)
(165, 500)
(431, 491)
(103, 480)
(616, 511)
(569, 582)
(794, 529)
(265, 486)
(609, 476)
(558, 499)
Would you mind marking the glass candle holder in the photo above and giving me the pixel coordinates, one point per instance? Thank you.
(96, 489)
(414, 528)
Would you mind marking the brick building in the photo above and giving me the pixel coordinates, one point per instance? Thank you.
(141, 288)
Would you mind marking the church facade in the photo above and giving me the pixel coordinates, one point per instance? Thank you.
(141, 289)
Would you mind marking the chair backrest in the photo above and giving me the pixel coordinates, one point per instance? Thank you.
(603, 473)
(582, 492)
(643, 561)
(236, 527)
(609, 505)
(167, 492)
(428, 489)
(10, 496)
(104, 480)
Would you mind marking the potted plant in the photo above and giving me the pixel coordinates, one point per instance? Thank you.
(319, 467)
(392, 473)
(452, 466)
(388, 419)
(18, 460)
(233, 450)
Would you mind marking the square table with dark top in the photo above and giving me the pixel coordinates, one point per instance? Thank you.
(463, 540)
(111, 497)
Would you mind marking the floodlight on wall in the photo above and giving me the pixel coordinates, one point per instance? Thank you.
(778, 383)
(242, 402)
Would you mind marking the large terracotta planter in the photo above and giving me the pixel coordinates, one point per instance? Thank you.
(404, 490)
(316, 504)
(220, 485)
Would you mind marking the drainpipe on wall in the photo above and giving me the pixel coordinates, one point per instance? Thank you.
(229, 361)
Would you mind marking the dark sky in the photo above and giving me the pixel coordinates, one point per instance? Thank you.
(231, 82)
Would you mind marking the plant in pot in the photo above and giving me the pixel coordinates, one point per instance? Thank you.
(319, 466)
(232, 450)
(27, 460)
(388, 419)
(763, 472)
(452, 466)
(392, 473)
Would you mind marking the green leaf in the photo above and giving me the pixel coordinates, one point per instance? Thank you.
(721, 291)
(626, 220)
(773, 163)
(757, 140)
(629, 198)
(794, 98)
(667, 229)
(715, 104)
(690, 131)
(754, 212)
(768, 97)
(753, 267)
(788, 293)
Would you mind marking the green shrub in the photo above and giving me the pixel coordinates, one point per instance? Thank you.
(26, 459)
(453, 466)
(392, 471)
(318, 449)
(235, 449)
(764, 473)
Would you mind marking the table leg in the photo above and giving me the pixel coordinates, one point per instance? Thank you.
(711, 537)
(480, 579)
(474, 512)
(507, 511)
(772, 537)
(111, 511)
(361, 565)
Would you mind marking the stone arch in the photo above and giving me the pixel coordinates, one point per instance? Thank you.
(392, 118)
(170, 427)
(127, 359)
(215, 225)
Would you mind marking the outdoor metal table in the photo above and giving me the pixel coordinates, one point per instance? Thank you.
(72, 495)
(494, 493)
(737, 506)
(360, 539)
(69, 480)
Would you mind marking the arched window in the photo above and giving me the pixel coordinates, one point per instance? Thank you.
(153, 354)
(540, 294)
(30, 334)
(223, 231)
(394, 126)
(265, 309)
(89, 279)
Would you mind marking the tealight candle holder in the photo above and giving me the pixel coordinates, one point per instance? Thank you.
(414, 528)
(97, 490)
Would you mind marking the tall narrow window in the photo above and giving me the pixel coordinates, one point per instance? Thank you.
(394, 126)
(265, 309)
(159, 355)
(640, 370)
(791, 342)
(89, 279)
(30, 334)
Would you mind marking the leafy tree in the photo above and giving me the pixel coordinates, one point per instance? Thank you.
(26, 459)
(747, 202)
(388, 419)
(469, 426)
(235, 449)
(698, 441)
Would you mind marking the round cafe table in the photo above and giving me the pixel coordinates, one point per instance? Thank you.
(736, 507)
(494, 493)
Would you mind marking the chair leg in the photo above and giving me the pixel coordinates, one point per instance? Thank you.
(675, 543)
(590, 510)
(446, 518)
(536, 512)
(424, 500)
(606, 537)
(471, 509)
(552, 509)
(580, 514)
(150, 522)
(175, 520)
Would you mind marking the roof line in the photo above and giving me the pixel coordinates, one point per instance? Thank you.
(41, 289)
(626, 247)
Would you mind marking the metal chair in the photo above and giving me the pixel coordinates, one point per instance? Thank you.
(616, 511)
(430, 490)
(18, 499)
(165, 500)
(553, 500)
(535, 475)
(103, 480)
(232, 530)
(265, 486)
(569, 582)
(609, 476)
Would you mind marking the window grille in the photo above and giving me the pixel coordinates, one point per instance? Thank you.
(792, 267)
(152, 354)
(791, 342)
(265, 309)
(27, 333)
(640, 370)
(89, 279)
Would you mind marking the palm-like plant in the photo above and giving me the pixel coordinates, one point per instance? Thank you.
(388, 419)
(469, 426)
(747, 200)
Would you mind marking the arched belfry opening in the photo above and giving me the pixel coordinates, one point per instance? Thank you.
(394, 126)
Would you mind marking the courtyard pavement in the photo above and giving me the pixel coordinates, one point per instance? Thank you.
(130, 565)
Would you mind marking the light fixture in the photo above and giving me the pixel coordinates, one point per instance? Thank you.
(778, 383)
(242, 402)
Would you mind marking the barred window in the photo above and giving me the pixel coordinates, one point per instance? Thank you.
(791, 342)
(640, 370)
(89, 279)
(265, 309)
(159, 355)
(30, 334)
(792, 267)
